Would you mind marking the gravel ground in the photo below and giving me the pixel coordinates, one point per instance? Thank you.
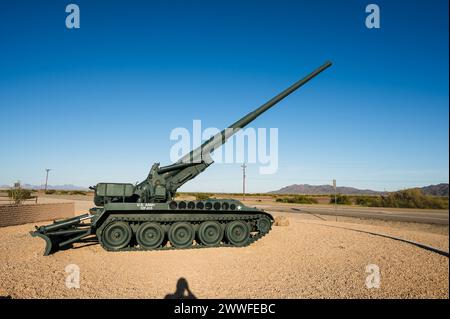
(306, 259)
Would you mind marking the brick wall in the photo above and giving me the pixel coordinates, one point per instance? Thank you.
(24, 214)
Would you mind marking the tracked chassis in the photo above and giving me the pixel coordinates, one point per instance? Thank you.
(161, 226)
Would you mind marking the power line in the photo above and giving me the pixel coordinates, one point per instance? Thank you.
(243, 180)
(46, 177)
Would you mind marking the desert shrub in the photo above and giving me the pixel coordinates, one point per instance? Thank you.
(281, 221)
(370, 201)
(77, 193)
(17, 195)
(297, 199)
(341, 199)
(414, 198)
(201, 196)
(65, 192)
(409, 198)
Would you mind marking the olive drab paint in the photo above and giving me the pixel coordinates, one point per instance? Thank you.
(145, 216)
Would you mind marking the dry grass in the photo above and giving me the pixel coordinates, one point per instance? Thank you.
(281, 221)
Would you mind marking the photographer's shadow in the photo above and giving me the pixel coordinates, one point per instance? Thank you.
(182, 291)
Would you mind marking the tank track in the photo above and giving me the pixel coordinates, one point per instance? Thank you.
(223, 218)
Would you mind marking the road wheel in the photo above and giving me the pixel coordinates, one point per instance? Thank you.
(150, 235)
(264, 224)
(181, 235)
(237, 233)
(210, 233)
(116, 235)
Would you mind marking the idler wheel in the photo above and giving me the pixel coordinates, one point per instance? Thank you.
(181, 235)
(150, 235)
(238, 233)
(210, 233)
(116, 235)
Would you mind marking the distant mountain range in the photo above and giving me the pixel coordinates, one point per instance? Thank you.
(436, 190)
(66, 187)
(305, 189)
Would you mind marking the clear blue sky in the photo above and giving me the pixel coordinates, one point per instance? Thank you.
(98, 103)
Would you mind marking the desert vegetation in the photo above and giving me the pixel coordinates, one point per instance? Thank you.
(297, 199)
(341, 199)
(409, 198)
(18, 195)
(202, 196)
(64, 192)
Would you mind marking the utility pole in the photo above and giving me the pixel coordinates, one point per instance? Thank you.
(243, 180)
(46, 178)
(335, 200)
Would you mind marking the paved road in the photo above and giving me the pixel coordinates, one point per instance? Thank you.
(406, 215)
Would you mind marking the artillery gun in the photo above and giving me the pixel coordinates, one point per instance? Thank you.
(146, 216)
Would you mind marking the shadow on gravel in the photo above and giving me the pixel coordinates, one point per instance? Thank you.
(86, 244)
(420, 245)
(182, 291)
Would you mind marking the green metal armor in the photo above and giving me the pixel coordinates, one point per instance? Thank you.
(145, 216)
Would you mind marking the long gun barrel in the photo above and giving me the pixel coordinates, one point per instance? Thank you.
(198, 155)
(253, 115)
